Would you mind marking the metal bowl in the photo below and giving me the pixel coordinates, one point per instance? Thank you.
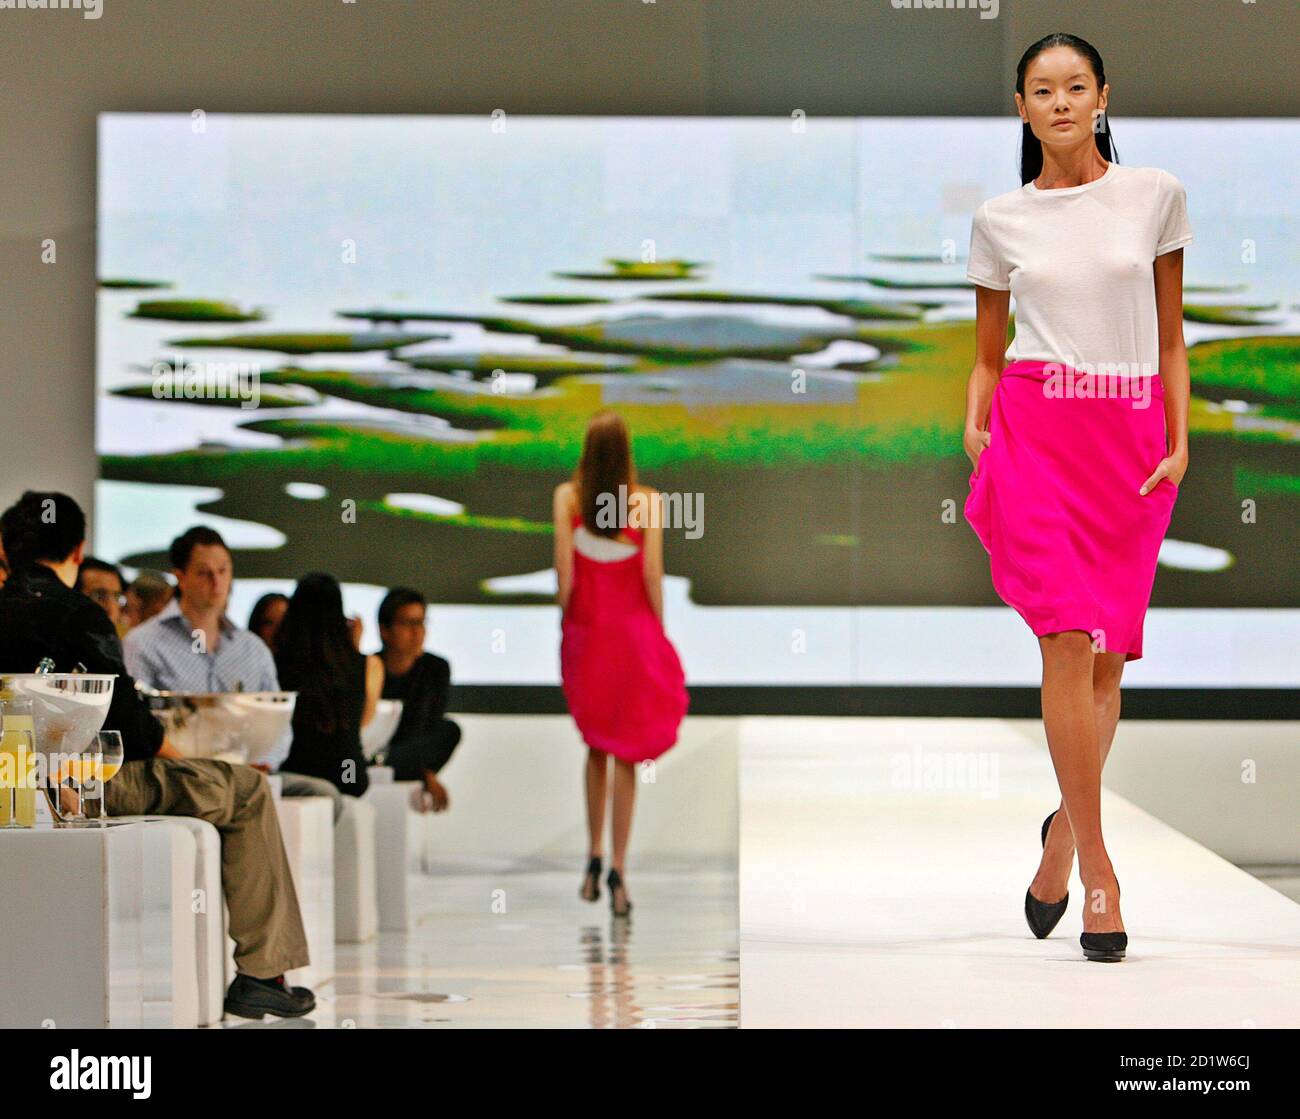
(68, 708)
(227, 726)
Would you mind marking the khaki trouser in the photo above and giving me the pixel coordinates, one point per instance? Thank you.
(264, 920)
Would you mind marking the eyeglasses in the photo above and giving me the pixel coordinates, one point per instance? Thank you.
(414, 622)
(106, 597)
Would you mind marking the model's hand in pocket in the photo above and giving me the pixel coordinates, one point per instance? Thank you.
(1173, 467)
(976, 443)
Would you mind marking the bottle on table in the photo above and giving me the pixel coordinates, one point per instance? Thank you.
(18, 770)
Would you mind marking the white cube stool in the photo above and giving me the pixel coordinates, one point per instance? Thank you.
(170, 962)
(202, 920)
(392, 803)
(356, 907)
(71, 926)
(307, 827)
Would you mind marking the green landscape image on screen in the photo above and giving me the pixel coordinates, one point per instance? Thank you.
(431, 311)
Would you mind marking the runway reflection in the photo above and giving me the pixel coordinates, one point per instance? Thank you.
(517, 948)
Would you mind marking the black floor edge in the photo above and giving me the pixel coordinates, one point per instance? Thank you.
(1010, 703)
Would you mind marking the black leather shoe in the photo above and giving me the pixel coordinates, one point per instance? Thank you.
(252, 998)
(1044, 916)
(1107, 947)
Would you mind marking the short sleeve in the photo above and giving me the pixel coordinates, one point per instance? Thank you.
(985, 265)
(1175, 229)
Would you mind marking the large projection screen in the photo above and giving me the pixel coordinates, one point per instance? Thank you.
(370, 345)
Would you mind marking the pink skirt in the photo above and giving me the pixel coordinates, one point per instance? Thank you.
(1072, 544)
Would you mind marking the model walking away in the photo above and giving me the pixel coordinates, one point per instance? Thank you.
(1078, 445)
(622, 678)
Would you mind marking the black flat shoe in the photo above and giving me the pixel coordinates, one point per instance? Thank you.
(615, 882)
(1107, 947)
(1044, 916)
(252, 998)
(592, 879)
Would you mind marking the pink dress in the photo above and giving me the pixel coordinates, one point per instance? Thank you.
(622, 678)
(1055, 502)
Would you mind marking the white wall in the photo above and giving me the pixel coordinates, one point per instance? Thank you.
(1232, 786)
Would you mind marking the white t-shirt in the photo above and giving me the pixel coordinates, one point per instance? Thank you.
(1078, 263)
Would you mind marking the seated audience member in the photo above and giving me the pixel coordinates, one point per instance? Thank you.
(338, 688)
(268, 613)
(193, 646)
(425, 737)
(42, 616)
(148, 594)
(102, 583)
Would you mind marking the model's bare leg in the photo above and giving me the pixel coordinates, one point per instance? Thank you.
(624, 802)
(1070, 718)
(597, 788)
(1058, 856)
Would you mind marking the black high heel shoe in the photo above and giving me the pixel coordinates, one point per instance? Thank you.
(1047, 824)
(592, 878)
(1104, 947)
(1042, 916)
(614, 881)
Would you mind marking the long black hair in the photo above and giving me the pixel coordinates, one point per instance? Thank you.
(1031, 147)
(315, 656)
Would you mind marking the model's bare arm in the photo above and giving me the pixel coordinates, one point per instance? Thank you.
(992, 313)
(654, 555)
(1174, 377)
(563, 545)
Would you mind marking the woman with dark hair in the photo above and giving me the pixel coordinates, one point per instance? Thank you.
(425, 738)
(1079, 444)
(622, 678)
(338, 688)
(268, 613)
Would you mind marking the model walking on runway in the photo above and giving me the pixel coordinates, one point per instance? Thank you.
(622, 677)
(1079, 444)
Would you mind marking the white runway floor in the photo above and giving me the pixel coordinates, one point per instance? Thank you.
(883, 867)
(548, 960)
(499, 936)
